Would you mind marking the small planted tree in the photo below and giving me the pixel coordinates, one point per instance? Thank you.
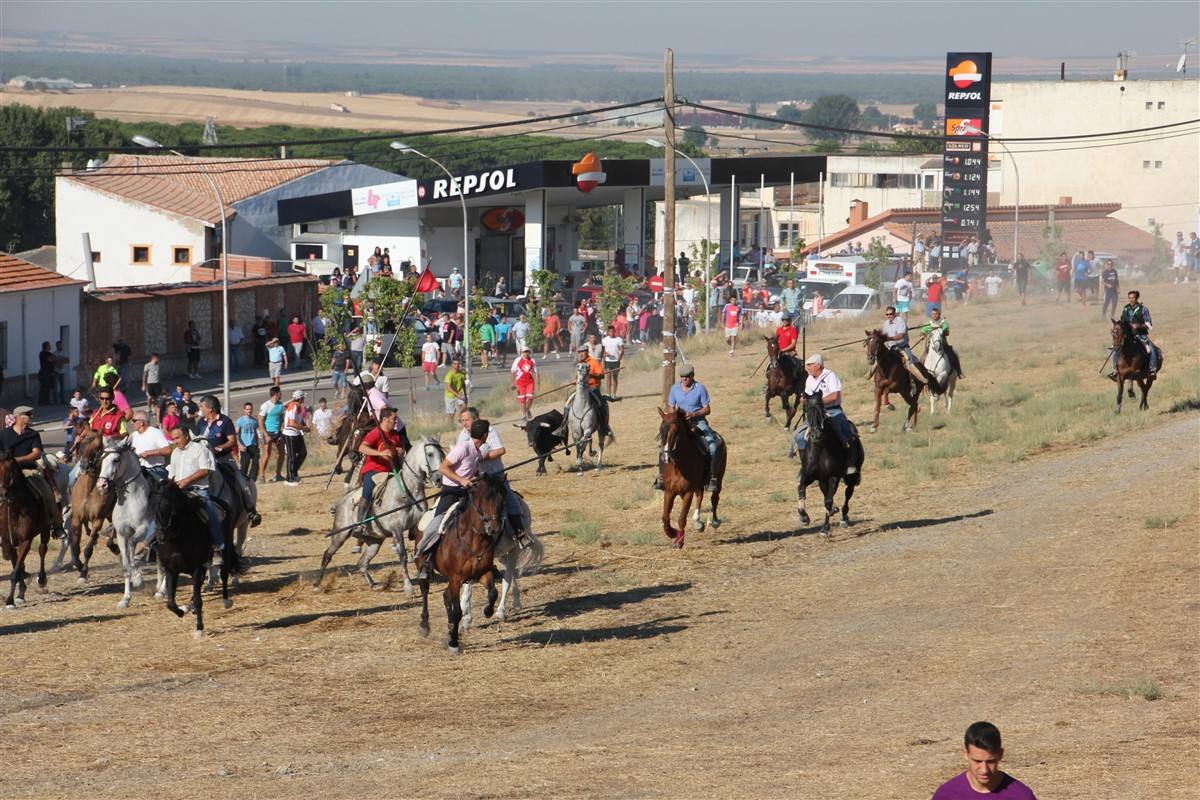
(1160, 251)
(541, 297)
(614, 294)
(878, 257)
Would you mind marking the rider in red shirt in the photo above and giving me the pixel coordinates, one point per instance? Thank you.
(383, 449)
(108, 419)
(787, 335)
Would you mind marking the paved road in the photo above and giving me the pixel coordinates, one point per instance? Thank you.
(252, 385)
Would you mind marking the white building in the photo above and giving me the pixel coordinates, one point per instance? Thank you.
(1155, 176)
(151, 218)
(36, 305)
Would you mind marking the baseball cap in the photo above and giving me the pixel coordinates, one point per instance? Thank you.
(298, 394)
(687, 371)
(22, 410)
(815, 358)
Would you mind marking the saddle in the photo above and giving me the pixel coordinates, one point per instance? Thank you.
(428, 542)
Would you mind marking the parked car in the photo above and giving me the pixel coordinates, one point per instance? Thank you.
(853, 301)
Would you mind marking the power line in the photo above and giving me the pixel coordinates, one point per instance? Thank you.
(339, 139)
(888, 135)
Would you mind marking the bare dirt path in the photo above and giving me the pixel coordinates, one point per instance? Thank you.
(1048, 595)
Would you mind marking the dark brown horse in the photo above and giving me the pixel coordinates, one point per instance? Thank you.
(683, 473)
(465, 553)
(351, 429)
(785, 380)
(1133, 363)
(22, 519)
(90, 509)
(890, 375)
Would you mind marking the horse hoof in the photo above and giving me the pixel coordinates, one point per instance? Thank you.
(844, 523)
(159, 595)
(317, 589)
(376, 587)
(408, 588)
(804, 518)
(423, 629)
(454, 651)
(700, 525)
(227, 602)
(716, 523)
(500, 615)
(10, 607)
(123, 602)
(136, 580)
(20, 601)
(82, 581)
(197, 635)
(825, 532)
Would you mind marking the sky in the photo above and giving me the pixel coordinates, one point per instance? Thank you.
(1053, 29)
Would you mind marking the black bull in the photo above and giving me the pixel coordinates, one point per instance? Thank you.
(543, 432)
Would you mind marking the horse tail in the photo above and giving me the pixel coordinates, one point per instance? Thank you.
(529, 558)
(935, 386)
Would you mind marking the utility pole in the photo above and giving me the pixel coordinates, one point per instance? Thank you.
(668, 333)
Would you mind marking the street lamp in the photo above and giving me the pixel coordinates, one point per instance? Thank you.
(1017, 176)
(146, 141)
(708, 239)
(403, 148)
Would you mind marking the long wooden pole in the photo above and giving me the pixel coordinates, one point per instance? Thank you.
(668, 333)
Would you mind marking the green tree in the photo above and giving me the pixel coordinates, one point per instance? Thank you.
(540, 298)
(832, 110)
(480, 311)
(1160, 251)
(925, 114)
(872, 117)
(695, 134)
(335, 307)
(789, 113)
(614, 294)
(1052, 245)
(877, 256)
(797, 253)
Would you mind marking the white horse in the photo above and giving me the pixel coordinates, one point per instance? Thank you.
(583, 420)
(515, 561)
(938, 363)
(418, 470)
(132, 517)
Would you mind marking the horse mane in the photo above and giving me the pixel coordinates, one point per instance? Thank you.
(172, 502)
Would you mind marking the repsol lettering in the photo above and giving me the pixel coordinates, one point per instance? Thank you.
(495, 180)
(964, 95)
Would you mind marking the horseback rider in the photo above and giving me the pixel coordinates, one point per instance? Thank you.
(191, 467)
(1138, 316)
(787, 336)
(692, 399)
(895, 334)
(491, 452)
(25, 445)
(459, 471)
(936, 321)
(383, 449)
(595, 380)
(826, 383)
(219, 431)
(151, 445)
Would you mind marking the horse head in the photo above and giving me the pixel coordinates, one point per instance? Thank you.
(581, 370)
(772, 348)
(814, 415)
(672, 429)
(489, 503)
(1122, 332)
(89, 449)
(9, 472)
(873, 341)
(936, 343)
(432, 456)
(110, 464)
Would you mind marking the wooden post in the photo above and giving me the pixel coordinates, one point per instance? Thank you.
(668, 334)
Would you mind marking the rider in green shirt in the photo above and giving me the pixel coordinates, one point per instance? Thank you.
(936, 321)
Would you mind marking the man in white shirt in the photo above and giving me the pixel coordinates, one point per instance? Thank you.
(613, 350)
(993, 282)
(323, 419)
(151, 445)
(903, 295)
(295, 425)
(191, 465)
(826, 383)
(520, 332)
(429, 359)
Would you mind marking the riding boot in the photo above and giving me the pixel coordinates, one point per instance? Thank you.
(518, 529)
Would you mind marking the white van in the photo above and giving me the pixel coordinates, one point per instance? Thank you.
(854, 301)
(852, 269)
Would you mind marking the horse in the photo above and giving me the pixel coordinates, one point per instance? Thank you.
(466, 553)
(406, 487)
(123, 483)
(890, 375)
(784, 380)
(23, 519)
(90, 510)
(516, 559)
(183, 546)
(228, 495)
(683, 474)
(825, 461)
(348, 435)
(1133, 363)
(939, 366)
(583, 420)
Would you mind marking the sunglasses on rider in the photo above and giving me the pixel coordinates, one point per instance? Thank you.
(106, 397)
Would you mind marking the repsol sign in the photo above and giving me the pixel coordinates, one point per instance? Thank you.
(965, 96)
(496, 180)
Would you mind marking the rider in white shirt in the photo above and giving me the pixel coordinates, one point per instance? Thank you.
(826, 382)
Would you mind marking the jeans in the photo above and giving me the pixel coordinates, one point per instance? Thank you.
(837, 420)
(1110, 296)
(706, 433)
(249, 462)
(60, 388)
(235, 359)
(158, 472)
(368, 486)
(906, 349)
(214, 521)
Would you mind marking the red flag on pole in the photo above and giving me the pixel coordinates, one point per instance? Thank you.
(427, 283)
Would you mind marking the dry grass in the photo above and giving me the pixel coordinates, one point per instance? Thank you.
(991, 571)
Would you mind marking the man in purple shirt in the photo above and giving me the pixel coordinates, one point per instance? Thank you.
(983, 752)
(459, 471)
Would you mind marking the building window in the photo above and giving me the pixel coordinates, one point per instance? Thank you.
(140, 254)
(1162, 104)
(1149, 105)
(1145, 165)
(95, 256)
(343, 224)
(1158, 165)
(789, 233)
(181, 255)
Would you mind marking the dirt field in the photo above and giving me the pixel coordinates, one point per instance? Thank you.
(1031, 559)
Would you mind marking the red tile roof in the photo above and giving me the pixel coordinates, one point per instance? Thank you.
(18, 275)
(1084, 226)
(163, 290)
(177, 184)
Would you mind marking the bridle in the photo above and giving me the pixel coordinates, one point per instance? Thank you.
(111, 485)
(493, 524)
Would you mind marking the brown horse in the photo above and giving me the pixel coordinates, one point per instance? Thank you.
(890, 375)
(22, 519)
(1133, 363)
(683, 473)
(466, 551)
(90, 509)
(351, 429)
(785, 380)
